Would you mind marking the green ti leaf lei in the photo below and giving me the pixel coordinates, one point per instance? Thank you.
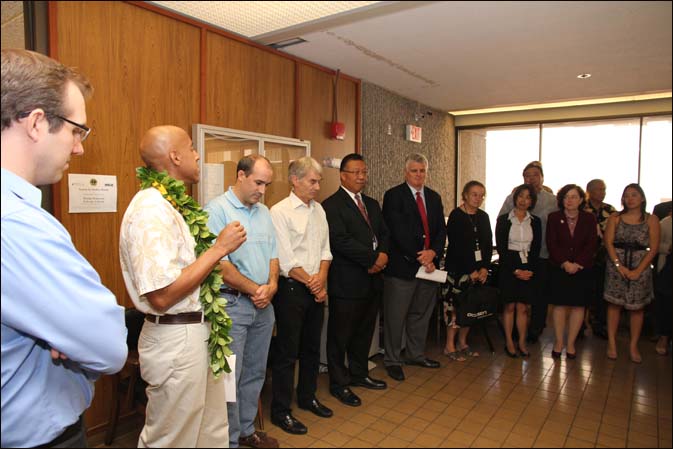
(214, 306)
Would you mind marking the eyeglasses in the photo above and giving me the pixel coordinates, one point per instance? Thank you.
(356, 172)
(81, 131)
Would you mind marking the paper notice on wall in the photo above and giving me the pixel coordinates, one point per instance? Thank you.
(213, 182)
(92, 193)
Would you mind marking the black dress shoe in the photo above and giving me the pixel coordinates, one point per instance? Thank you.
(290, 424)
(346, 396)
(395, 372)
(368, 382)
(317, 408)
(425, 363)
(513, 355)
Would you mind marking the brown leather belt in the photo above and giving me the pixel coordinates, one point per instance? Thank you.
(180, 318)
(230, 291)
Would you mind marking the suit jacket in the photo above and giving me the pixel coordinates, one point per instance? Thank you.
(351, 245)
(407, 236)
(580, 248)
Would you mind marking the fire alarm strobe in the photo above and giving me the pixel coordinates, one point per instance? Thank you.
(338, 131)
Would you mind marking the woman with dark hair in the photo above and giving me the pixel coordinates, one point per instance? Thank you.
(467, 259)
(632, 241)
(518, 236)
(572, 237)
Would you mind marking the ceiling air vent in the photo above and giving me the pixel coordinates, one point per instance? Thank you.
(287, 43)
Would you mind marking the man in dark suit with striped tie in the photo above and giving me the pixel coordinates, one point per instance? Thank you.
(415, 217)
(359, 245)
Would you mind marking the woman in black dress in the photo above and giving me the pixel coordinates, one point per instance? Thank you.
(518, 236)
(467, 259)
(572, 239)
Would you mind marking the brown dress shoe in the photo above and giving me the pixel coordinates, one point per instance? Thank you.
(258, 439)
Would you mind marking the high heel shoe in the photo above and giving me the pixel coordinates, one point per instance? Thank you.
(513, 355)
(555, 355)
(571, 355)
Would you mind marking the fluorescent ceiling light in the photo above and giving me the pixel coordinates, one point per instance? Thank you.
(564, 104)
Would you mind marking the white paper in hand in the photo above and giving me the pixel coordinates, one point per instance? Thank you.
(435, 276)
(230, 380)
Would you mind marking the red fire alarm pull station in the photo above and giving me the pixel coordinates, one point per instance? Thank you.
(337, 129)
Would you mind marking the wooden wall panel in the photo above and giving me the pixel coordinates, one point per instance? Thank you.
(144, 69)
(248, 88)
(315, 116)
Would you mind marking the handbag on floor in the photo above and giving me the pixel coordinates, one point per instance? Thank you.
(475, 303)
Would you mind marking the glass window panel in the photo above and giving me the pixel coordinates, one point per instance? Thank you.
(655, 160)
(577, 152)
(508, 150)
(280, 155)
(222, 154)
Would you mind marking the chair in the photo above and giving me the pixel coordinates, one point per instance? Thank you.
(124, 382)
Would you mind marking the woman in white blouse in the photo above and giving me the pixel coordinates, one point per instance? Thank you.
(518, 236)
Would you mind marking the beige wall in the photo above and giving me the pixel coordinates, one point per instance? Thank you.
(12, 25)
(385, 154)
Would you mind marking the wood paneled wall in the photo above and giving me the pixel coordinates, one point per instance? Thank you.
(248, 88)
(149, 68)
(315, 115)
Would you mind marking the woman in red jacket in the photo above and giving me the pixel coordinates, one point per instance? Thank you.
(572, 238)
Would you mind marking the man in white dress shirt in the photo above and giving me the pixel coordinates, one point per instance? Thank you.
(304, 254)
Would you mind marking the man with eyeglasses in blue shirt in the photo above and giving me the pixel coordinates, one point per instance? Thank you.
(61, 328)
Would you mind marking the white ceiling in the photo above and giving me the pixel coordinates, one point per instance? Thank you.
(472, 55)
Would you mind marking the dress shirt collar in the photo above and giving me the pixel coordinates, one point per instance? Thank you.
(296, 202)
(352, 195)
(414, 190)
(513, 219)
(15, 184)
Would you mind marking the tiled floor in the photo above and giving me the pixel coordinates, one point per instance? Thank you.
(496, 401)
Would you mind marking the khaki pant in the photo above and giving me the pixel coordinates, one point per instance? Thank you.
(186, 406)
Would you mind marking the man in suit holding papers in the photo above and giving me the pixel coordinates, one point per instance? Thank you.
(415, 217)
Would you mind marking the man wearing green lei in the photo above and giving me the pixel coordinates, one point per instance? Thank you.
(158, 249)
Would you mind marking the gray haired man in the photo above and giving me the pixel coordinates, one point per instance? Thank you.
(304, 254)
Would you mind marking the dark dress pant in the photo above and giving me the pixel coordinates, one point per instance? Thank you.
(350, 328)
(299, 320)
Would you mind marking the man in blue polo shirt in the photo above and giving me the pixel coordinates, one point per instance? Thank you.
(250, 277)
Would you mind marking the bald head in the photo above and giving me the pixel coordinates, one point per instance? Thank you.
(170, 148)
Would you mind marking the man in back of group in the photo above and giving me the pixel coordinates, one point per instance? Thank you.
(163, 278)
(597, 312)
(250, 276)
(304, 254)
(546, 203)
(61, 328)
(359, 240)
(414, 215)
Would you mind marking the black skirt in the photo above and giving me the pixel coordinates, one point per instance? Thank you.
(513, 289)
(575, 290)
